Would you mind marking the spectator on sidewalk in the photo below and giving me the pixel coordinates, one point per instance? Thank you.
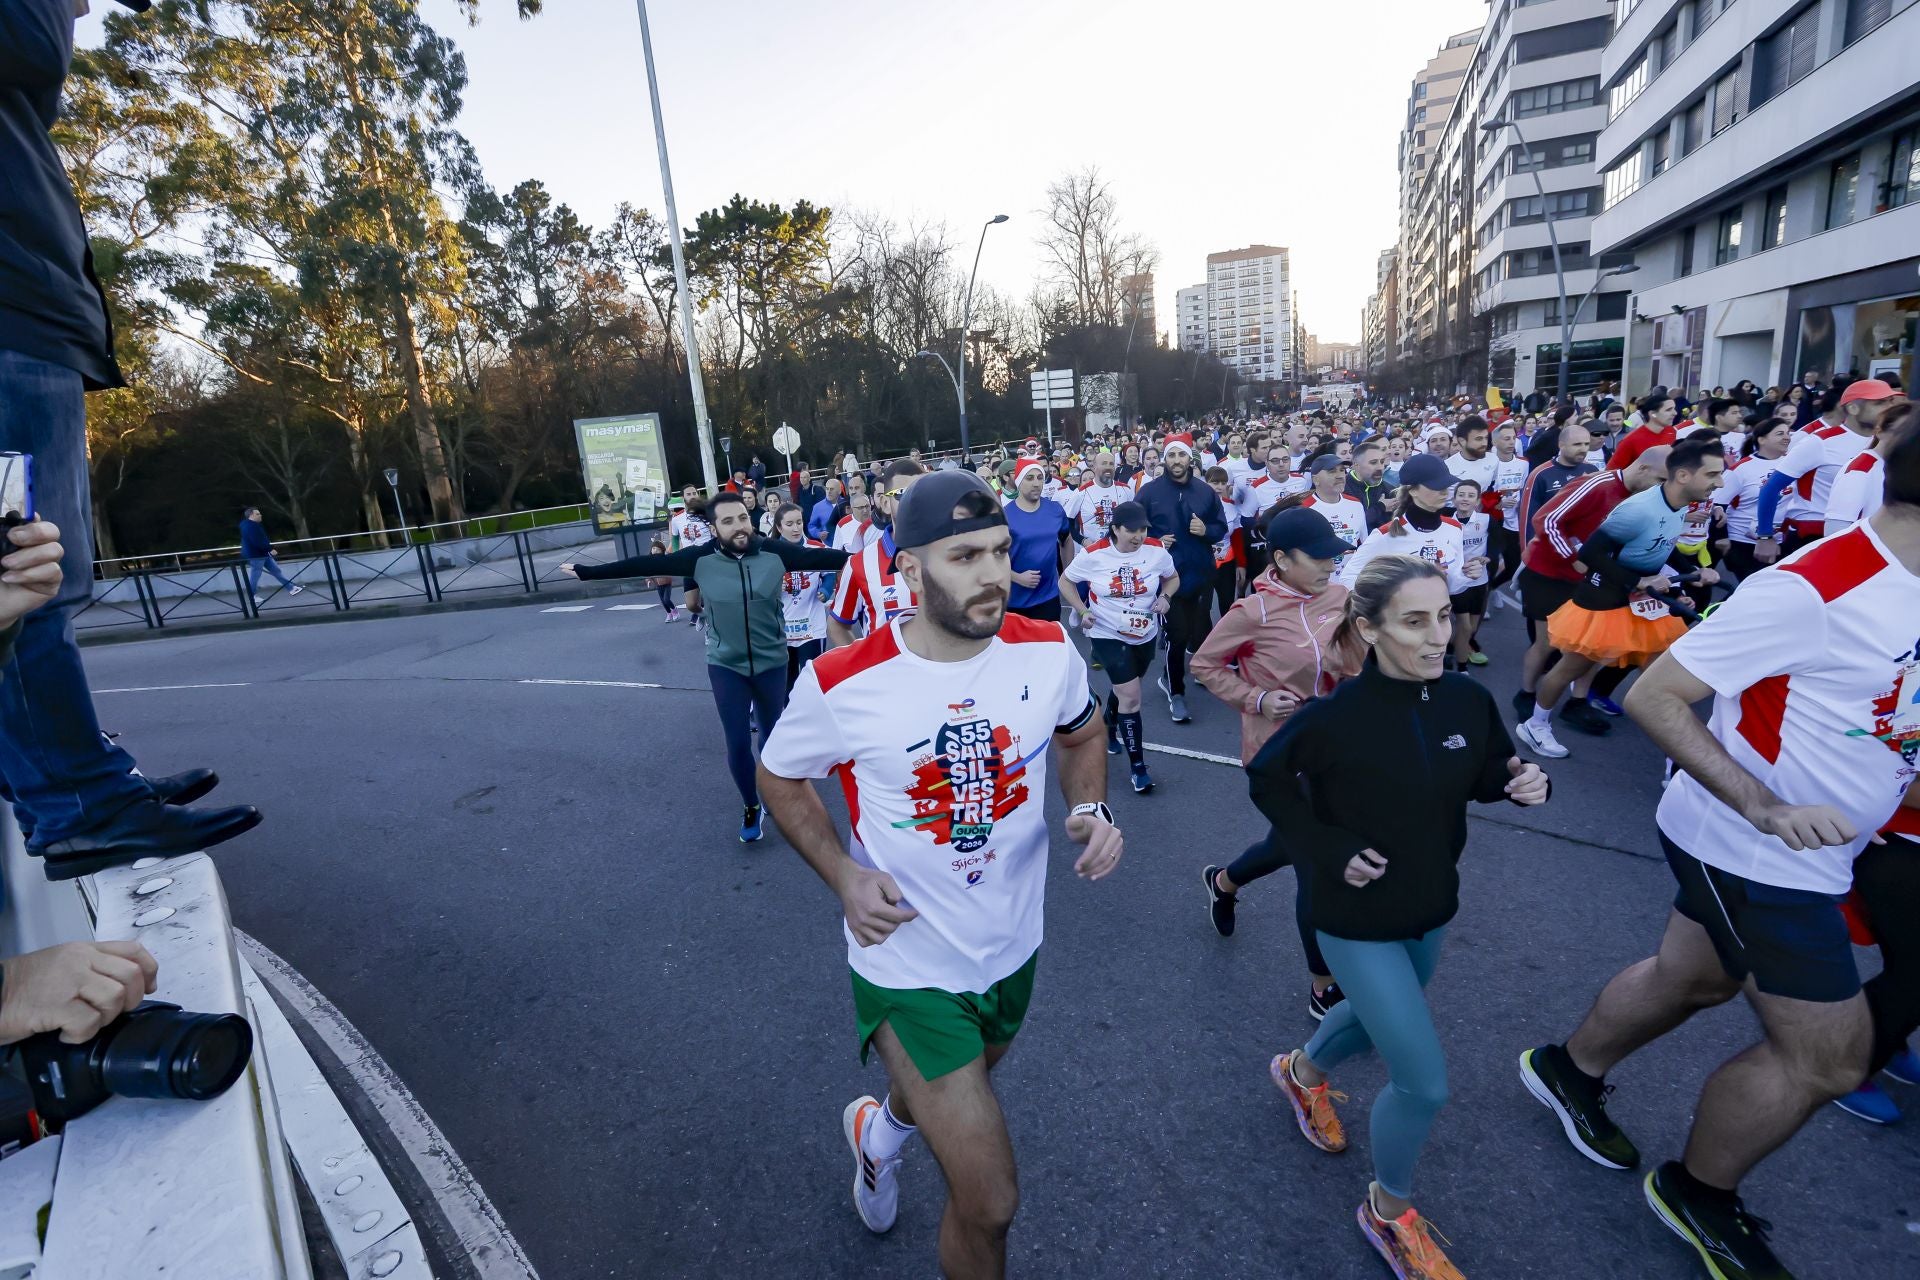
(258, 550)
(87, 806)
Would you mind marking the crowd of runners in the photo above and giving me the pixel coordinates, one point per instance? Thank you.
(910, 630)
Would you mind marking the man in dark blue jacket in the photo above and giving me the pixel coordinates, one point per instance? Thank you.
(1184, 513)
(78, 794)
(258, 550)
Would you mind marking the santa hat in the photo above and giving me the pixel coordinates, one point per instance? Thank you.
(1033, 442)
(1182, 441)
(1025, 465)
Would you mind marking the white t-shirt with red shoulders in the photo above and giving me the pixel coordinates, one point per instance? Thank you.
(944, 767)
(1092, 505)
(804, 611)
(871, 588)
(1815, 457)
(1119, 588)
(1739, 493)
(1348, 518)
(1816, 684)
(1857, 492)
(852, 536)
(1442, 546)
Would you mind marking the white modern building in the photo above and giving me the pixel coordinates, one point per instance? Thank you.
(1760, 166)
(1250, 314)
(1190, 317)
(1537, 70)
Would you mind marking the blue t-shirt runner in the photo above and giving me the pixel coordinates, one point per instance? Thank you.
(1038, 524)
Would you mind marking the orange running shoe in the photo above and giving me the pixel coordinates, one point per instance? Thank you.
(1407, 1243)
(1312, 1107)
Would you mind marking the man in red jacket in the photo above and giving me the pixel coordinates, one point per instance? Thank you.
(1657, 414)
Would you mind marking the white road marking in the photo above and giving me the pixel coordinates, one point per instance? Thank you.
(1193, 755)
(568, 608)
(619, 608)
(601, 684)
(163, 688)
(491, 1249)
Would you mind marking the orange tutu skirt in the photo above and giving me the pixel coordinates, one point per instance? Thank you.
(1612, 637)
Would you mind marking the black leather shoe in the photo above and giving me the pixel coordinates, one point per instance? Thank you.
(184, 788)
(146, 829)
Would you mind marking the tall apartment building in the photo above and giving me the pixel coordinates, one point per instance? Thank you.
(1760, 166)
(1190, 317)
(1136, 298)
(1250, 312)
(1480, 293)
(1429, 103)
(1380, 324)
(1538, 176)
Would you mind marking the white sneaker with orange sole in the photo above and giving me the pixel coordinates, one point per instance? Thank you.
(876, 1186)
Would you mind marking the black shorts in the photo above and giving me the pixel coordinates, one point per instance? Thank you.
(1472, 601)
(1794, 942)
(1124, 660)
(688, 584)
(1541, 595)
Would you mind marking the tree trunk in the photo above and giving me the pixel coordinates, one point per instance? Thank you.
(103, 544)
(447, 505)
(515, 475)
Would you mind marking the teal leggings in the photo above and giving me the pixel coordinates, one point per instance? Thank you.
(1386, 1009)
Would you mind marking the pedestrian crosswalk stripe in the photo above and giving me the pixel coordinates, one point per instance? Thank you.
(568, 608)
(616, 608)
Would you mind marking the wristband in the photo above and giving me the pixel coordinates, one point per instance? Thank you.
(1260, 702)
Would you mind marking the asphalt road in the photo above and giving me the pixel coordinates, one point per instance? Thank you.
(639, 1033)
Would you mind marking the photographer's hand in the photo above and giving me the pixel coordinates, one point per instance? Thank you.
(30, 569)
(75, 988)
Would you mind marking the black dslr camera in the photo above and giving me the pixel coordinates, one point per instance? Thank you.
(157, 1051)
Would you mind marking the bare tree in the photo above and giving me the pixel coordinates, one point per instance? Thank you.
(1087, 255)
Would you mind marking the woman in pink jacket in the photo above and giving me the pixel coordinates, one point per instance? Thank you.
(1271, 652)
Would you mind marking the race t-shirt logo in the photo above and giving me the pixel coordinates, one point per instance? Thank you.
(965, 780)
(1125, 582)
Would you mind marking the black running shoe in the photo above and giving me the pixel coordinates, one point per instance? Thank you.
(1584, 718)
(1320, 1003)
(1219, 905)
(1731, 1242)
(1550, 1076)
(1522, 704)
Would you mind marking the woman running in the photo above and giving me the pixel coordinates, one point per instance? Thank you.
(1739, 491)
(1384, 878)
(1272, 653)
(803, 597)
(1470, 606)
(1120, 588)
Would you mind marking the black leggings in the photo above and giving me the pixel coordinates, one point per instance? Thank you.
(1226, 579)
(1503, 547)
(733, 695)
(1740, 559)
(798, 656)
(1888, 879)
(1263, 858)
(1188, 621)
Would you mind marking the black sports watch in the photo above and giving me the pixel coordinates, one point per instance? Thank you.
(1098, 808)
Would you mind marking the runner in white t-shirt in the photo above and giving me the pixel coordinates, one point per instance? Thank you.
(691, 528)
(940, 727)
(1857, 489)
(1347, 515)
(1121, 588)
(1093, 503)
(1470, 606)
(1813, 668)
(803, 598)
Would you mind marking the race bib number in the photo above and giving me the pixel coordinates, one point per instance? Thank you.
(1649, 607)
(798, 629)
(1138, 624)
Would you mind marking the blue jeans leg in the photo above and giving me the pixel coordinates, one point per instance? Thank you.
(255, 564)
(63, 775)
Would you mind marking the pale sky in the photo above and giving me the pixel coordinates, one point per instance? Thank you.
(1220, 123)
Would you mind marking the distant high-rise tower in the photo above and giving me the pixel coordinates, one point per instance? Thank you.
(1250, 311)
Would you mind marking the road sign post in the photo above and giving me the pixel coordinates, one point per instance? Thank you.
(786, 440)
(1052, 389)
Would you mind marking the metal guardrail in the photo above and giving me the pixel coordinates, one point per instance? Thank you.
(340, 581)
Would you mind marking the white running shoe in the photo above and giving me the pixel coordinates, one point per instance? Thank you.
(876, 1187)
(295, 589)
(1540, 740)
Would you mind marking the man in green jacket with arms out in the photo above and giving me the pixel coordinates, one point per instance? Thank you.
(739, 575)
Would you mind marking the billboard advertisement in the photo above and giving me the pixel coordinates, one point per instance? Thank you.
(625, 464)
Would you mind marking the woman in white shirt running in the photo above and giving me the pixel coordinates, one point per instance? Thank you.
(1739, 494)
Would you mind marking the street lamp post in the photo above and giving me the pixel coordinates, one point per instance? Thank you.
(1553, 238)
(958, 393)
(1626, 270)
(966, 322)
(393, 483)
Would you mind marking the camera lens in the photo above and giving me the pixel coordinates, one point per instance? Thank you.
(163, 1052)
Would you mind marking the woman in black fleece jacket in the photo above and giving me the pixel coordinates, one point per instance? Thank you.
(1384, 879)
